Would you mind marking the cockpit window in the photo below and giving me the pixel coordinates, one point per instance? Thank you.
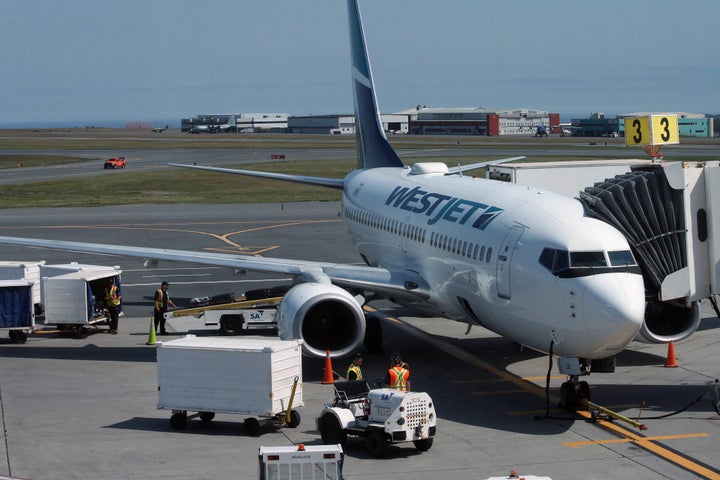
(621, 258)
(587, 259)
(566, 264)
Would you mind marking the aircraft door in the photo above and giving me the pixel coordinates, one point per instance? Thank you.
(505, 260)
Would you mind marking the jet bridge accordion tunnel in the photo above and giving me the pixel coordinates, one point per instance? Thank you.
(667, 213)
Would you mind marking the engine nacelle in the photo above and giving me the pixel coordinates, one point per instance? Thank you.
(665, 322)
(324, 316)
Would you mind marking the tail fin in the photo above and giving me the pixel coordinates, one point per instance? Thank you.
(373, 149)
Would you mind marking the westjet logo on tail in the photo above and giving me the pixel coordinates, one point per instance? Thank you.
(437, 207)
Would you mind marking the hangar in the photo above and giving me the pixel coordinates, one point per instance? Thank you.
(343, 124)
(481, 121)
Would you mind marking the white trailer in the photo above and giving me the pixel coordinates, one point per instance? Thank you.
(255, 377)
(29, 271)
(301, 462)
(17, 314)
(75, 300)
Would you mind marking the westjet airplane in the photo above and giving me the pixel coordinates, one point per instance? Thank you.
(525, 263)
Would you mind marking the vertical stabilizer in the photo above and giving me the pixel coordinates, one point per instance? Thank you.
(373, 148)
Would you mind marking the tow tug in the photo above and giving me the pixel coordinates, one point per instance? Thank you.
(382, 416)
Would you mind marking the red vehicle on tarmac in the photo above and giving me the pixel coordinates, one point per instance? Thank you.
(115, 162)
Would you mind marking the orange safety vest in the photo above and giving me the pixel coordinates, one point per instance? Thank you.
(111, 297)
(399, 378)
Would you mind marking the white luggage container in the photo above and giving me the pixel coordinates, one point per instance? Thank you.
(249, 376)
(76, 300)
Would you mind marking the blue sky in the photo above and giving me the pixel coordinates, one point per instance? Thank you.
(144, 60)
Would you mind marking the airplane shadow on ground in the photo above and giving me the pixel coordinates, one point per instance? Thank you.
(495, 398)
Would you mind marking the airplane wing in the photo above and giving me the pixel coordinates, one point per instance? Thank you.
(474, 166)
(337, 183)
(398, 284)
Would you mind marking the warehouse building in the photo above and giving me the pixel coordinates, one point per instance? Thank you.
(343, 124)
(236, 122)
(482, 121)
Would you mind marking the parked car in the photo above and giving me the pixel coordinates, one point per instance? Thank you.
(116, 162)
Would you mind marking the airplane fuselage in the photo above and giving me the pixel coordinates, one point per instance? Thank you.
(522, 262)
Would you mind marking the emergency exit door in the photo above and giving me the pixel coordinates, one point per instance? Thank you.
(504, 261)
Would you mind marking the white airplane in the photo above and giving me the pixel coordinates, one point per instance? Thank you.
(522, 262)
(160, 129)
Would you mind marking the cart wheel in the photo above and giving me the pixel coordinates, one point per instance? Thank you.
(423, 445)
(13, 336)
(81, 332)
(330, 430)
(21, 337)
(294, 419)
(207, 417)
(376, 443)
(252, 426)
(178, 420)
(231, 324)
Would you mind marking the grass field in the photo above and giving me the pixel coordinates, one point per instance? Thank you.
(192, 186)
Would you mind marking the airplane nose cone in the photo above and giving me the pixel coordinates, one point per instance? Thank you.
(614, 310)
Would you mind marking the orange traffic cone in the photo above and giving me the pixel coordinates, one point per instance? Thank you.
(670, 362)
(328, 378)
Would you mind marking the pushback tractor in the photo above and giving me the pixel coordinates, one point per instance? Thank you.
(381, 416)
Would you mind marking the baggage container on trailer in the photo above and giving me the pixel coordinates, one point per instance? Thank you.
(17, 315)
(76, 300)
(55, 270)
(301, 462)
(256, 377)
(30, 271)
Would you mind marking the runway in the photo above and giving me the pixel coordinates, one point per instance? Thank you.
(86, 408)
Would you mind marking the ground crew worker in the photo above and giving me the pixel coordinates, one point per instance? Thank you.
(354, 372)
(398, 376)
(162, 301)
(112, 302)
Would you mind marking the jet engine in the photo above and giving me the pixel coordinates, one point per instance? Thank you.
(324, 316)
(666, 321)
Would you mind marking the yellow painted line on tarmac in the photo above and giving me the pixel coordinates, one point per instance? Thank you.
(628, 440)
(648, 444)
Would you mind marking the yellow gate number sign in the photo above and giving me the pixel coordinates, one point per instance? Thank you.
(652, 130)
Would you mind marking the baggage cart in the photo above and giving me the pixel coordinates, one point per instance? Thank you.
(301, 462)
(256, 377)
(17, 315)
(76, 300)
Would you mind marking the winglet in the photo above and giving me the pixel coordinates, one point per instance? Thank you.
(373, 149)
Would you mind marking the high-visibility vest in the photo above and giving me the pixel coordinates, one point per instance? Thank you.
(356, 369)
(398, 378)
(159, 299)
(111, 297)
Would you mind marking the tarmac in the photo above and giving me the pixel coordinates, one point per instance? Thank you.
(86, 408)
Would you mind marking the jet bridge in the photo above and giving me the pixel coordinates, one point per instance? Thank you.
(670, 215)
